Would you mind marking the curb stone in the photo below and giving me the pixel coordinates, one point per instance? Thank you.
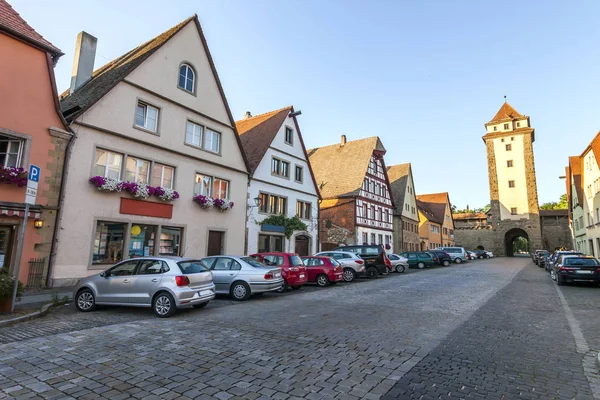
(598, 359)
(36, 314)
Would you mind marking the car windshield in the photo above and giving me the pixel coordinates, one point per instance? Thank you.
(584, 262)
(296, 261)
(254, 263)
(192, 266)
(333, 262)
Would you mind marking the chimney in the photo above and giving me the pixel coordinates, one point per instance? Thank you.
(343, 141)
(83, 63)
(248, 115)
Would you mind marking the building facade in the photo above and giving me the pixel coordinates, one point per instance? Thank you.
(591, 195)
(357, 206)
(157, 167)
(40, 138)
(406, 213)
(439, 204)
(281, 180)
(576, 211)
(430, 228)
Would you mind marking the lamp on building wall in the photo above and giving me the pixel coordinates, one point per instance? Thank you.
(38, 223)
(257, 202)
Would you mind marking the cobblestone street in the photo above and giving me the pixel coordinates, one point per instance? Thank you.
(487, 329)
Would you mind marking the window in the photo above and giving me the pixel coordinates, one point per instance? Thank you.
(193, 134)
(298, 175)
(512, 138)
(495, 128)
(108, 242)
(275, 166)
(365, 238)
(303, 209)
(162, 176)
(186, 78)
(108, 164)
(10, 152)
(509, 163)
(407, 207)
(277, 205)
(146, 116)
(124, 269)
(220, 189)
(371, 186)
(212, 141)
(170, 241)
(413, 210)
(505, 126)
(511, 184)
(203, 185)
(508, 147)
(280, 168)
(380, 239)
(518, 124)
(289, 135)
(152, 267)
(264, 202)
(513, 211)
(387, 240)
(270, 243)
(372, 238)
(141, 240)
(137, 170)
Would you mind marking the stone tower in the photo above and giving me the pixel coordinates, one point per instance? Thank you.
(513, 190)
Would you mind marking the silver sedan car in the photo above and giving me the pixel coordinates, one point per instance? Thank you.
(163, 283)
(240, 277)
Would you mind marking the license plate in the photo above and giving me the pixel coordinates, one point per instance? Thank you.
(302, 276)
(276, 275)
(202, 294)
(584, 271)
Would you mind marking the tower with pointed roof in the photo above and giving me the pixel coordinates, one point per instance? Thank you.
(513, 190)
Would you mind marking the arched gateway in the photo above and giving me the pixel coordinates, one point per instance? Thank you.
(516, 240)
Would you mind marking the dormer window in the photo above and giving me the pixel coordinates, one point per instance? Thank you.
(505, 126)
(186, 78)
(518, 124)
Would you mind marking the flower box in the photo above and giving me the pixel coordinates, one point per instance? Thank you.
(208, 202)
(137, 190)
(13, 176)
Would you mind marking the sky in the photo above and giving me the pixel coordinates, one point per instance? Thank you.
(424, 76)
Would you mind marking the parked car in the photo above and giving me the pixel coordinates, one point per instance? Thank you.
(472, 255)
(419, 259)
(556, 255)
(543, 260)
(489, 254)
(458, 254)
(323, 270)
(241, 277)
(163, 283)
(353, 265)
(538, 254)
(374, 256)
(533, 254)
(441, 257)
(292, 268)
(580, 268)
(399, 263)
(481, 254)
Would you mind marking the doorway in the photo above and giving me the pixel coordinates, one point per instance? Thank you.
(6, 241)
(215, 243)
(302, 245)
(516, 242)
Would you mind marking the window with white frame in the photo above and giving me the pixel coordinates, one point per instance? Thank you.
(280, 167)
(162, 175)
(212, 141)
(146, 116)
(108, 164)
(372, 238)
(203, 185)
(193, 134)
(365, 237)
(137, 170)
(220, 189)
(186, 78)
(10, 152)
(303, 209)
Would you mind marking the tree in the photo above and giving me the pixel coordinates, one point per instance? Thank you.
(561, 204)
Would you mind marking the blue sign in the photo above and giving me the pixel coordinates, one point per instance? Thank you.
(272, 228)
(34, 173)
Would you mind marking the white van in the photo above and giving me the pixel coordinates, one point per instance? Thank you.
(458, 254)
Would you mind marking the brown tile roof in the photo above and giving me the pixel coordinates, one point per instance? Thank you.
(506, 112)
(108, 76)
(257, 133)
(428, 212)
(340, 170)
(575, 169)
(469, 216)
(595, 145)
(436, 202)
(554, 213)
(14, 24)
(398, 176)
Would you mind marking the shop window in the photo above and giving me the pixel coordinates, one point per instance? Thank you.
(141, 240)
(267, 243)
(170, 241)
(108, 242)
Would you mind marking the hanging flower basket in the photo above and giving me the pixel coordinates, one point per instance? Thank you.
(388, 247)
(137, 190)
(204, 201)
(13, 176)
(223, 204)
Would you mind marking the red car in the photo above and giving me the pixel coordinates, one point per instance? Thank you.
(293, 270)
(323, 270)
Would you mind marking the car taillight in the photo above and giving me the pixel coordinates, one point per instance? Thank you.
(268, 275)
(387, 261)
(182, 280)
(294, 269)
(361, 262)
(565, 269)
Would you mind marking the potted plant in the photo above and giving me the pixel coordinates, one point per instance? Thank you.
(6, 290)
(205, 202)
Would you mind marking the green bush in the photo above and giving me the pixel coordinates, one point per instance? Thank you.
(6, 286)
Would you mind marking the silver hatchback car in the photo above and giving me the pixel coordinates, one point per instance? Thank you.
(240, 277)
(163, 283)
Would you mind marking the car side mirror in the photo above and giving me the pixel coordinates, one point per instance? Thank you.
(103, 274)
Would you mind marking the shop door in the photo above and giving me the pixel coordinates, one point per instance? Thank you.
(215, 243)
(302, 245)
(5, 246)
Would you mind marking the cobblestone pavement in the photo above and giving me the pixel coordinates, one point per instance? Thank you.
(359, 340)
(518, 345)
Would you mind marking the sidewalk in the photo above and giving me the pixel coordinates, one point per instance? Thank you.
(44, 296)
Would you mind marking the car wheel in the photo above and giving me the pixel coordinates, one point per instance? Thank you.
(372, 272)
(201, 305)
(164, 305)
(458, 260)
(553, 275)
(349, 275)
(240, 291)
(399, 268)
(421, 265)
(85, 300)
(445, 263)
(559, 280)
(284, 288)
(296, 287)
(322, 280)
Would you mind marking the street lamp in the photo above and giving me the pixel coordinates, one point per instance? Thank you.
(257, 202)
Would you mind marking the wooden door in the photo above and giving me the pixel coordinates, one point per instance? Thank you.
(302, 245)
(215, 243)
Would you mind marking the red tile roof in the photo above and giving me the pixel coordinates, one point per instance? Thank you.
(469, 216)
(13, 23)
(436, 203)
(506, 112)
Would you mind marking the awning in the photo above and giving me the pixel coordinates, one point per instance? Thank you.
(7, 212)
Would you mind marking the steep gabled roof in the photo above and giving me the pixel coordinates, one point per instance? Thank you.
(506, 112)
(436, 203)
(399, 175)
(257, 134)
(12, 23)
(575, 170)
(340, 169)
(428, 212)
